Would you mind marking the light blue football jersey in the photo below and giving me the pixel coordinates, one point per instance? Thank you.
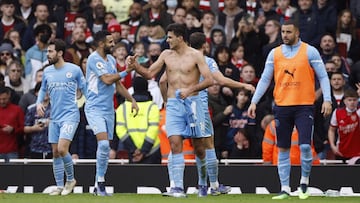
(213, 68)
(61, 85)
(99, 96)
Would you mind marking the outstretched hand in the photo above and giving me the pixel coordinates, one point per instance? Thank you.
(131, 62)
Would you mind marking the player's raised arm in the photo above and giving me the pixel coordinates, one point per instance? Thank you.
(150, 72)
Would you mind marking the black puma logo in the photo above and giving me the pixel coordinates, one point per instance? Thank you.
(290, 73)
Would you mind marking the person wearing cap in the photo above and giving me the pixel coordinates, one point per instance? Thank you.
(140, 134)
(8, 19)
(6, 56)
(115, 29)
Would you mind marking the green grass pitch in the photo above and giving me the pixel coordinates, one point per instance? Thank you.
(137, 198)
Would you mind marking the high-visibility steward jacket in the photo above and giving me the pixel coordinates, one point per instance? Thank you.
(294, 78)
(270, 150)
(188, 149)
(141, 131)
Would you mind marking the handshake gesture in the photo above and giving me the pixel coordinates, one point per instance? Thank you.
(131, 62)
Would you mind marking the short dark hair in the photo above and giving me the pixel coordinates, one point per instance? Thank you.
(100, 36)
(60, 45)
(197, 40)
(291, 22)
(42, 29)
(350, 93)
(177, 29)
(4, 89)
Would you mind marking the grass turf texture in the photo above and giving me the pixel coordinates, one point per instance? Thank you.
(136, 198)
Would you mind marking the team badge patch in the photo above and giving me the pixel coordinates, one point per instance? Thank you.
(99, 65)
(68, 74)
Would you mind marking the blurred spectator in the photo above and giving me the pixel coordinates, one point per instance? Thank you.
(143, 31)
(237, 55)
(192, 22)
(171, 6)
(79, 48)
(330, 66)
(99, 19)
(80, 21)
(120, 9)
(217, 38)
(229, 17)
(6, 56)
(36, 56)
(219, 111)
(26, 10)
(179, 15)
(284, 10)
(248, 75)
(308, 22)
(346, 122)
(252, 7)
(266, 12)
(272, 31)
(115, 29)
(245, 146)
(14, 98)
(134, 22)
(36, 129)
(30, 98)
(239, 120)
(109, 16)
(15, 80)
(14, 37)
(355, 75)
(156, 34)
(11, 126)
(327, 16)
(74, 7)
(270, 151)
(156, 11)
(346, 34)
(207, 22)
(120, 53)
(8, 18)
(253, 40)
(139, 134)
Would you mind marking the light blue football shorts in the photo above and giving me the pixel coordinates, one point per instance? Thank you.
(61, 129)
(177, 114)
(101, 123)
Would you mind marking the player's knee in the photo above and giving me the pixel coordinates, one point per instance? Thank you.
(104, 145)
(305, 147)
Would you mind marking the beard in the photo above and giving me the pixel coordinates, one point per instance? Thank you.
(107, 50)
(53, 61)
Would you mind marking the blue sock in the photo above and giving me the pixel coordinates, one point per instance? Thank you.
(211, 165)
(58, 170)
(306, 162)
(201, 169)
(178, 166)
(284, 167)
(170, 171)
(69, 167)
(102, 157)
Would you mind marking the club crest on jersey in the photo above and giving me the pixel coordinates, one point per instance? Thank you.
(99, 65)
(68, 74)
